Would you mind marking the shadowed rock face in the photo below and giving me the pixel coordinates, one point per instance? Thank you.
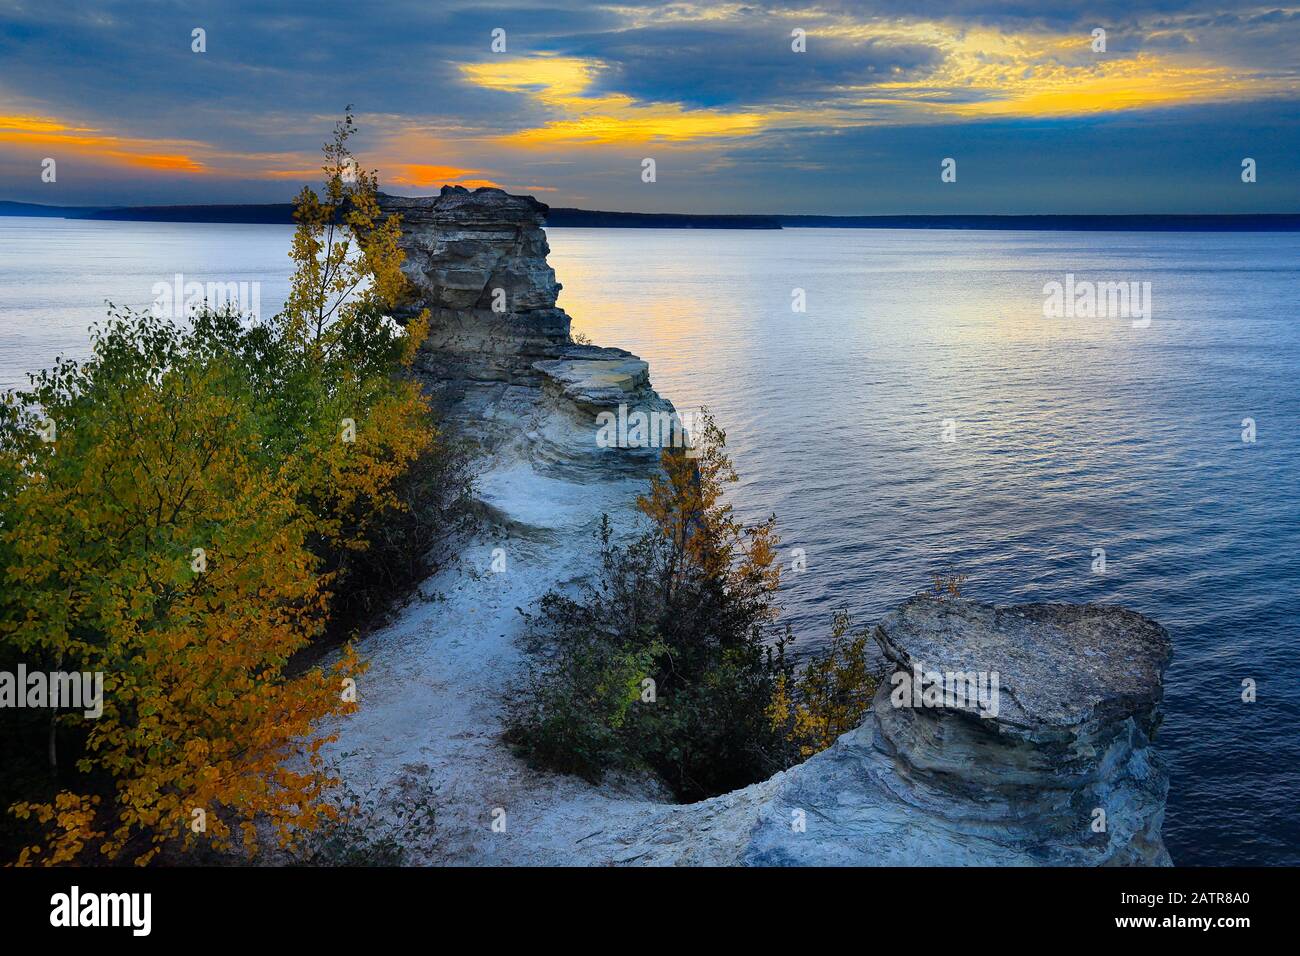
(1066, 747)
(466, 252)
(498, 354)
(1028, 778)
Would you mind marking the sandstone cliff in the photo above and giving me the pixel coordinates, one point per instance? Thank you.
(499, 355)
(1061, 771)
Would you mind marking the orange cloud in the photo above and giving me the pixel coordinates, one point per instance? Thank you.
(422, 175)
(52, 134)
(38, 124)
(297, 174)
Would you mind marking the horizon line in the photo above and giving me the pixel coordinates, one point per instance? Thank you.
(278, 213)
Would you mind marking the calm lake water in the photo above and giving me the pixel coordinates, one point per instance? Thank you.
(1071, 434)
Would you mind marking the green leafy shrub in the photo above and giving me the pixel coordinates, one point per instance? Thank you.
(668, 659)
(370, 833)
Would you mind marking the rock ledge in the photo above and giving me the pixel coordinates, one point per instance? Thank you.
(1060, 772)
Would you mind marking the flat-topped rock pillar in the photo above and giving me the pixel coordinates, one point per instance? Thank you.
(498, 357)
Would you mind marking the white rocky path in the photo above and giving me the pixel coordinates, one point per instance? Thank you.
(432, 703)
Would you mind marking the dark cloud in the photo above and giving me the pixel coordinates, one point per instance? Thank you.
(746, 62)
(134, 65)
(1021, 14)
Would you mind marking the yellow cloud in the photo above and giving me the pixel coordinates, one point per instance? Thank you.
(562, 84)
(1141, 82)
(986, 73)
(628, 123)
(982, 73)
(554, 80)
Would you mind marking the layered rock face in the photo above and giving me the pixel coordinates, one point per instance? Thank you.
(498, 354)
(1004, 736)
(467, 252)
(1064, 769)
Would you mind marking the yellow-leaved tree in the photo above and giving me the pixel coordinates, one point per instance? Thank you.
(180, 513)
(150, 544)
(686, 505)
(830, 696)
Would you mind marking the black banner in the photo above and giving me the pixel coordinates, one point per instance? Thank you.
(943, 906)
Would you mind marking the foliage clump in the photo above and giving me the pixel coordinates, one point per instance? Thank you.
(370, 831)
(188, 510)
(948, 583)
(831, 695)
(671, 659)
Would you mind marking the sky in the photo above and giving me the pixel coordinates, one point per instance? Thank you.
(735, 118)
